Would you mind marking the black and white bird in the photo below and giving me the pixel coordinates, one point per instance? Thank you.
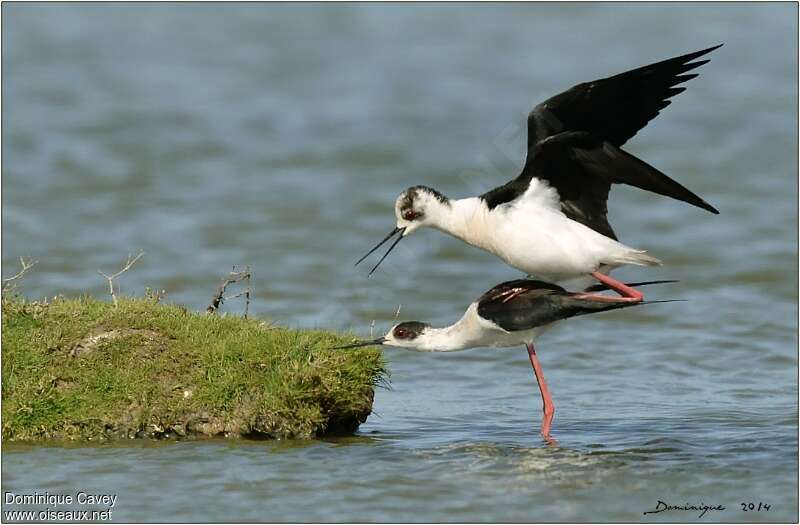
(512, 313)
(551, 221)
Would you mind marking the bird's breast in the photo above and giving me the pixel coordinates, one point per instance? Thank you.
(540, 242)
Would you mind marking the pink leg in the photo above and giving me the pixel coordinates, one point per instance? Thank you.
(547, 401)
(629, 295)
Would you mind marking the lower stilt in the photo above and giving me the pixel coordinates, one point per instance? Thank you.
(547, 401)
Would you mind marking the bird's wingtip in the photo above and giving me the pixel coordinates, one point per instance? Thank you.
(712, 48)
(698, 54)
(664, 301)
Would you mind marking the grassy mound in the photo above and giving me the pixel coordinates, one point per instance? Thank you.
(84, 369)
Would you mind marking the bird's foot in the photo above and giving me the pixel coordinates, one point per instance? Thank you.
(550, 440)
(628, 294)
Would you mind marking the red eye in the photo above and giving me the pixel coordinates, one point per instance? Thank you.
(409, 215)
(400, 333)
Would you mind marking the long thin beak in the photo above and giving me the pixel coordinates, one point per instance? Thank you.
(374, 342)
(391, 234)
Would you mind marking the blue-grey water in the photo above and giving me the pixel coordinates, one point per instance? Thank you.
(278, 135)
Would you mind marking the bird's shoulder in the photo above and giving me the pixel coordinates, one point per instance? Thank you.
(522, 192)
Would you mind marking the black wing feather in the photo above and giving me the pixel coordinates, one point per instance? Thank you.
(536, 303)
(582, 169)
(574, 140)
(614, 108)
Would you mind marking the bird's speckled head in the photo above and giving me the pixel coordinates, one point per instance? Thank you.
(408, 334)
(419, 206)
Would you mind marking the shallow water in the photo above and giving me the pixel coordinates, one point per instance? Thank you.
(279, 135)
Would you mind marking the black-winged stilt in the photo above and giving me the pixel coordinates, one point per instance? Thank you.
(512, 313)
(551, 221)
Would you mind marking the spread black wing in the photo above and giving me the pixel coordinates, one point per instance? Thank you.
(614, 108)
(574, 141)
(526, 303)
(582, 169)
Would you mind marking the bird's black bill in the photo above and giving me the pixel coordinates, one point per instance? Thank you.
(374, 342)
(391, 234)
(387, 252)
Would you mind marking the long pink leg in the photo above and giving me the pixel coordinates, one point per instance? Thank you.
(547, 401)
(629, 295)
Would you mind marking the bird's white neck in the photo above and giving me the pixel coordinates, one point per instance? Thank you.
(466, 333)
(465, 219)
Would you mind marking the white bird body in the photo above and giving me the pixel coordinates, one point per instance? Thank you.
(530, 233)
(551, 220)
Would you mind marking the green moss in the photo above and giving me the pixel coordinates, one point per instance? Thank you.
(84, 369)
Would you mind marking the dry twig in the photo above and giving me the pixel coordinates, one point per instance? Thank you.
(8, 284)
(220, 297)
(110, 278)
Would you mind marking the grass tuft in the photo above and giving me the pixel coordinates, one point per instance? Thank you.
(84, 369)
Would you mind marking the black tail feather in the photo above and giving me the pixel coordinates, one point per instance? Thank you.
(603, 287)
